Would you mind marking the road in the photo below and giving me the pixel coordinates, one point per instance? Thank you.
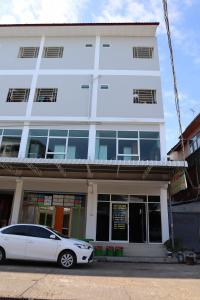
(113, 281)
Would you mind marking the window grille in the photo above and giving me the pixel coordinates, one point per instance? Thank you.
(46, 95)
(104, 86)
(85, 86)
(142, 52)
(144, 96)
(106, 45)
(28, 52)
(88, 45)
(53, 52)
(18, 95)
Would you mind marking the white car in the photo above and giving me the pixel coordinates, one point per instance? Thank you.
(41, 243)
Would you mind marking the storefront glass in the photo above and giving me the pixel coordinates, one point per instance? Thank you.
(129, 218)
(64, 212)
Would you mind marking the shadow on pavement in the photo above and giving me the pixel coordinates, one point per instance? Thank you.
(107, 269)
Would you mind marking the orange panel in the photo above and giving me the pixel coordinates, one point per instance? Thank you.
(59, 218)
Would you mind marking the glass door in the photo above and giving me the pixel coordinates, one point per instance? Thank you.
(119, 229)
(66, 229)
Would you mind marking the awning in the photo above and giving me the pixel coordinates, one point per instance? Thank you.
(87, 169)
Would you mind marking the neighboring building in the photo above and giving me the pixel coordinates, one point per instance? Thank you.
(186, 203)
(82, 132)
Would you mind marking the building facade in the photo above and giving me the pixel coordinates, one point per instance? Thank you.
(82, 132)
(186, 203)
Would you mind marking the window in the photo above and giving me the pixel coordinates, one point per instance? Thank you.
(46, 95)
(28, 52)
(18, 95)
(144, 96)
(16, 230)
(39, 232)
(194, 143)
(104, 86)
(88, 45)
(127, 145)
(85, 86)
(10, 142)
(53, 52)
(142, 52)
(149, 145)
(106, 45)
(58, 144)
(133, 218)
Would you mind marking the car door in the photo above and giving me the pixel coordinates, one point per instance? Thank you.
(39, 244)
(13, 240)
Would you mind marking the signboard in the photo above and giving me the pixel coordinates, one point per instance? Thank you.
(178, 182)
(119, 222)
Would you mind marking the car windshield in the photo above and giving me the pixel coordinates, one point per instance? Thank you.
(58, 233)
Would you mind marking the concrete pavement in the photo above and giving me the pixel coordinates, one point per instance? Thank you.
(100, 281)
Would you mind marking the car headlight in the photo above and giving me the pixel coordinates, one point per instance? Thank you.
(81, 246)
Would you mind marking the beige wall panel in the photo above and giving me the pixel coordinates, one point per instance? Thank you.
(117, 100)
(121, 52)
(9, 50)
(72, 100)
(75, 55)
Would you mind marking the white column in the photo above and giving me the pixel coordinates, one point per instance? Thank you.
(91, 211)
(34, 79)
(163, 151)
(92, 138)
(17, 201)
(164, 214)
(24, 141)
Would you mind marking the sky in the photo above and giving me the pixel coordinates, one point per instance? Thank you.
(185, 26)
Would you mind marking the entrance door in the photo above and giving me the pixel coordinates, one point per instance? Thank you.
(119, 230)
(137, 223)
(6, 200)
(66, 229)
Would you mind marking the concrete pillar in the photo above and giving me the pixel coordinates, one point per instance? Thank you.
(92, 139)
(91, 211)
(164, 214)
(17, 201)
(24, 142)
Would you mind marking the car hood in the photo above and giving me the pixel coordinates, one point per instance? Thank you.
(76, 241)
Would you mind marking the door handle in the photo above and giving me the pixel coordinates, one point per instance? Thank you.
(30, 242)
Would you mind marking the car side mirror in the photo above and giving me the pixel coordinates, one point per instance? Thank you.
(53, 237)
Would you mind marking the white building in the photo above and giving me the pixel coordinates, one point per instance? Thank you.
(82, 132)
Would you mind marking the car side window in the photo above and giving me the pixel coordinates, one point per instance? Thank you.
(16, 230)
(39, 232)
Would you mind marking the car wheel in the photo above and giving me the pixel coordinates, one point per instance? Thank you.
(67, 259)
(2, 256)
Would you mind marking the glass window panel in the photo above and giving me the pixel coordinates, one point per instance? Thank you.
(119, 198)
(77, 148)
(15, 132)
(155, 234)
(149, 134)
(123, 157)
(153, 198)
(149, 150)
(10, 146)
(57, 145)
(38, 132)
(106, 133)
(106, 149)
(119, 222)
(103, 214)
(58, 132)
(128, 134)
(127, 147)
(104, 197)
(55, 156)
(138, 198)
(1, 131)
(37, 147)
(78, 133)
